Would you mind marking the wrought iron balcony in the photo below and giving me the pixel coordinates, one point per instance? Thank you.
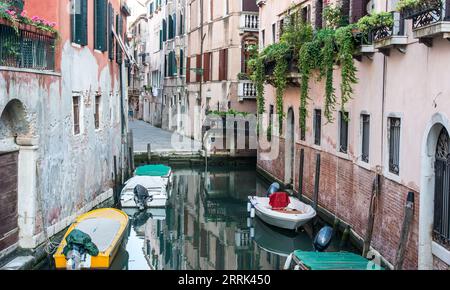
(364, 42)
(246, 89)
(386, 37)
(26, 47)
(250, 21)
(430, 19)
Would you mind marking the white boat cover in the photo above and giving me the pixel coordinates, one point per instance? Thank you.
(149, 182)
(101, 230)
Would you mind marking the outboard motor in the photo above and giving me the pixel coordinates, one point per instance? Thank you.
(141, 196)
(275, 187)
(323, 239)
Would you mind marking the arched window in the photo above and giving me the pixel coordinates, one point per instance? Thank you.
(441, 227)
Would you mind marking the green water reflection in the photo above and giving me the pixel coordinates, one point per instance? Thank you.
(206, 226)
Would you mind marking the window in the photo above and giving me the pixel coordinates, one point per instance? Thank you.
(181, 29)
(274, 33)
(76, 115)
(365, 123)
(343, 132)
(319, 13)
(97, 111)
(227, 7)
(198, 76)
(306, 15)
(151, 8)
(303, 129)
(263, 38)
(100, 24)
(164, 30)
(223, 64)
(317, 126)
(394, 145)
(110, 32)
(345, 8)
(358, 10)
(79, 22)
(188, 70)
(181, 62)
(207, 66)
(119, 31)
(269, 130)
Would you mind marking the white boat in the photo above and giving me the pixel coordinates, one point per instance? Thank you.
(292, 217)
(156, 186)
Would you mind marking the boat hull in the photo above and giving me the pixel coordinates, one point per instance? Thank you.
(279, 219)
(107, 253)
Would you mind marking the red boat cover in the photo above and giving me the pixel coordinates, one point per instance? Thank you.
(279, 200)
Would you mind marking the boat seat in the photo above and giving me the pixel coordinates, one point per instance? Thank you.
(289, 211)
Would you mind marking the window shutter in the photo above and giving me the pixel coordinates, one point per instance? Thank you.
(188, 70)
(160, 39)
(346, 11)
(358, 9)
(174, 29)
(110, 32)
(319, 14)
(100, 24)
(198, 76)
(164, 30)
(79, 22)
(223, 64)
(119, 30)
(170, 28)
(181, 62)
(207, 67)
(84, 23)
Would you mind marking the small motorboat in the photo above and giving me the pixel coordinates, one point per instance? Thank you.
(93, 240)
(156, 170)
(149, 188)
(292, 215)
(144, 192)
(304, 260)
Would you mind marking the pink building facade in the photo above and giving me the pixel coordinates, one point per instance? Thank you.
(399, 111)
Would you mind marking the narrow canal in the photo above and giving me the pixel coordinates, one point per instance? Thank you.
(206, 226)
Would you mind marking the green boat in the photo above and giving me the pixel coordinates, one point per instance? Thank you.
(301, 260)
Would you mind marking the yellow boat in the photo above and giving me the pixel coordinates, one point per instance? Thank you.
(106, 227)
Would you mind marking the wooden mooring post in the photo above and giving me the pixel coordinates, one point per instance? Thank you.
(409, 213)
(149, 152)
(116, 200)
(371, 218)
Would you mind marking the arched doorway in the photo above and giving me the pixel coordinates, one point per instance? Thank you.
(289, 148)
(13, 126)
(434, 193)
(441, 218)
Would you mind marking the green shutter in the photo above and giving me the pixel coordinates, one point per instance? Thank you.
(164, 30)
(83, 23)
(79, 22)
(174, 29)
(110, 32)
(100, 24)
(160, 39)
(181, 61)
(119, 29)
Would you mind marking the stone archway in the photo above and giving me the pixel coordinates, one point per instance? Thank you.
(17, 138)
(289, 148)
(431, 152)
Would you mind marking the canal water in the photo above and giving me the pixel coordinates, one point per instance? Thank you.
(206, 226)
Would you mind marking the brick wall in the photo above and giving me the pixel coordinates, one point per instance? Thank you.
(345, 189)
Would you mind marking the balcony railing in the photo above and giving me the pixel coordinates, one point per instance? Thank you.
(386, 37)
(247, 89)
(428, 12)
(250, 21)
(27, 47)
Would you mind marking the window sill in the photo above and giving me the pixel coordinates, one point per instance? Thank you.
(28, 70)
(343, 155)
(440, 252)
(392, 176)
(365, 165)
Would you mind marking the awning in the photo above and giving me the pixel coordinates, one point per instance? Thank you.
(124, 48)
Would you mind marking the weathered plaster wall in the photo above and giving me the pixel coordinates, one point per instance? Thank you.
(409, 86)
